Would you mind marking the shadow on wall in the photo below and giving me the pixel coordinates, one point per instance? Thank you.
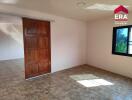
(13, 31)
(11, 39)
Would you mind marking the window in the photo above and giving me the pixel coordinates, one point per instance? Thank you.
(122, 40)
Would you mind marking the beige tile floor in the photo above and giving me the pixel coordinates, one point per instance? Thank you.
(79, 83)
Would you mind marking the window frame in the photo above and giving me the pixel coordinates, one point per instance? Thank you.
(114, 40)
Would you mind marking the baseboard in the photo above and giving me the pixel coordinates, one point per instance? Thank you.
(11, 59)
(108, 71)
(70, 68)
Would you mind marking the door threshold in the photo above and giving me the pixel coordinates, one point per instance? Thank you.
(37, 76)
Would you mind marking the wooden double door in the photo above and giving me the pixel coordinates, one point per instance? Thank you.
(36, 47)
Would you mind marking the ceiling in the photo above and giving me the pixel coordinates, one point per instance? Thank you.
(69, 8)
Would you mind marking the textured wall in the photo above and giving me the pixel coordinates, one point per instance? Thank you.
(99, 48)
(11, 37)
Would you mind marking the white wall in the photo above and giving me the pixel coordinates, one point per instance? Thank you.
(68, 42)
(99, 48)
(68, 37)
(11, 37)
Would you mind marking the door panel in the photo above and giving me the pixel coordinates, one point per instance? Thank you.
(31, 43)
(43, 42)
(32, 69)
(43, 30)
(31, 55)
(43, 66)
(43, 54)
(36, 47)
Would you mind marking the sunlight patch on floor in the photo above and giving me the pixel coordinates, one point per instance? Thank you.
(89, 80)
(94, 82)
